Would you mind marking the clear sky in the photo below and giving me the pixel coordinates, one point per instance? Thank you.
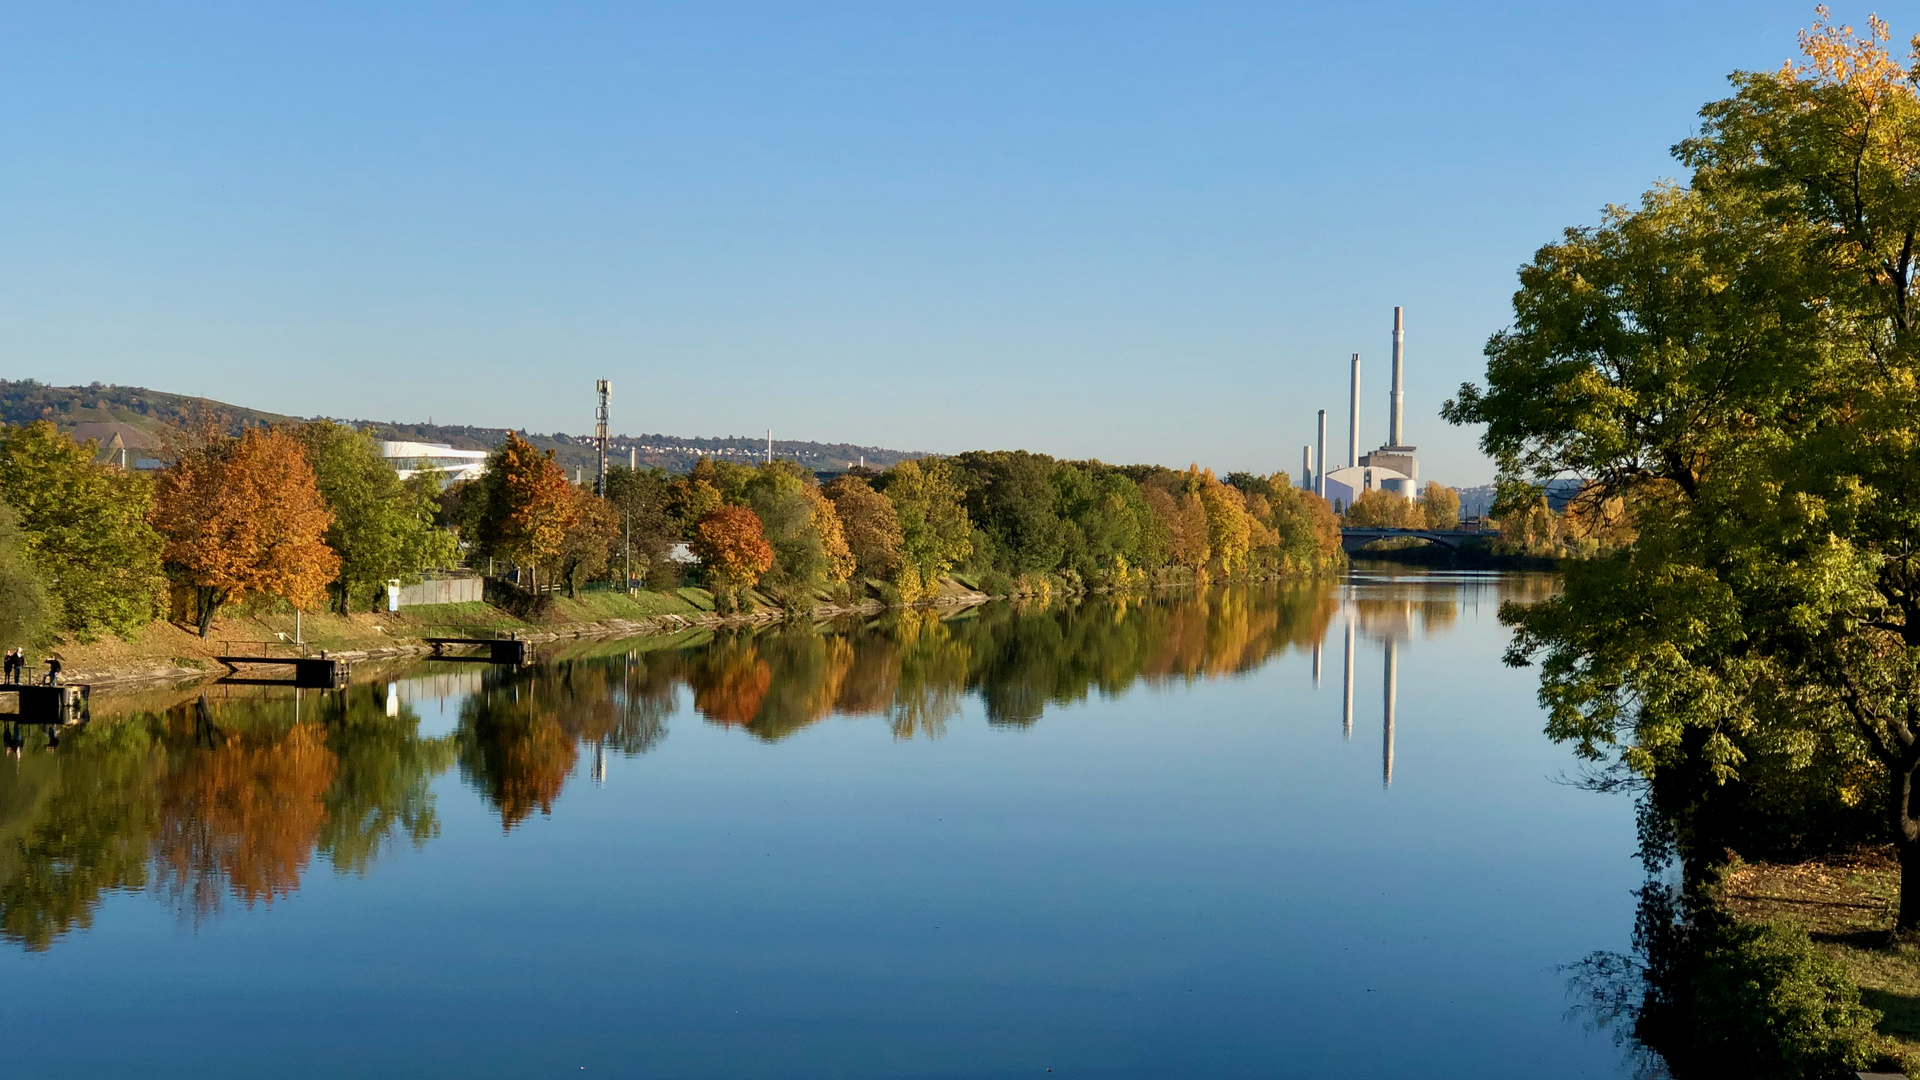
(1137, 232)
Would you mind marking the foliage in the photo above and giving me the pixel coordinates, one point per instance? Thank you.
(934, 530)
(244, 516)
(524, 505)
(591, 541)
(733, 551)
(644, 501)
(809, 545)
(382, 528)
(26, 611)
(83, 528)
(871, 528)
(1440, 506)
(1381, 509)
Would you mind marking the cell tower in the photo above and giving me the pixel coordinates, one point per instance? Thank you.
(605, 389)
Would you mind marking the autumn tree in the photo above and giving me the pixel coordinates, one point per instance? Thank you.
(591, 541)
(524, 505)
(1382, 509)
(809, 544)
(383, 528)
(1229, 533)
(1183, 517)
(83, 529)
(733, 552)
(244, 517)
(871, 527)
(1440, 506)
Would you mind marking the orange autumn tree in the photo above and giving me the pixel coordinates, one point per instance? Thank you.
(244, 517)
(733, 551)
(527, 505)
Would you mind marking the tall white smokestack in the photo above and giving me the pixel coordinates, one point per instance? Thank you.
(1306, 467)
(1320, 478)
(1353, 419)
(1399, 345)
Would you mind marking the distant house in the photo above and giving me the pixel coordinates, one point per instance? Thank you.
(122, 444)
(408, 458)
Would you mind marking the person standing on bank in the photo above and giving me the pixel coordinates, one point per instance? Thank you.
(15, 661)
(53, 670)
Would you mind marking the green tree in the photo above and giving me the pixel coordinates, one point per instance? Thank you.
(382, 528)
(1735, 363)
(26, 612)
(84, 528)
(934, 531)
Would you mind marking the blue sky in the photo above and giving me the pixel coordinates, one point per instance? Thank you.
(1137, 232)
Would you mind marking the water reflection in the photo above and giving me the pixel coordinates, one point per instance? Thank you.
(229, 795)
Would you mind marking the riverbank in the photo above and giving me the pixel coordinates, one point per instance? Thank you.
(1847, 905)
(163, 653)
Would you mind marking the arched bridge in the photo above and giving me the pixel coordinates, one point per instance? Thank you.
(1353, 538)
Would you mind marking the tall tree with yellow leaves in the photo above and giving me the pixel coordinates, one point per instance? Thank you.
(244, 517)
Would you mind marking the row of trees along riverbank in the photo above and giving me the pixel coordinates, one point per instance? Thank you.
(1735, 362)
(311, 514)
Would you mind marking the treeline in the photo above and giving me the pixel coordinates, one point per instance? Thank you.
(305, 514)
(1015, 522)
(311, 513)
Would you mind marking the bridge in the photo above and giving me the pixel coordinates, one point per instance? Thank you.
(1355, 537)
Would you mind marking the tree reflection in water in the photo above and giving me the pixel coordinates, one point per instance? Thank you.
(230, 793)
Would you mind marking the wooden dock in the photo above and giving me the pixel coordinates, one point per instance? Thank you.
(43, 704)
(511, 652)
(308, 671)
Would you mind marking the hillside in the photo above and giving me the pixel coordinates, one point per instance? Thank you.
(162, 415)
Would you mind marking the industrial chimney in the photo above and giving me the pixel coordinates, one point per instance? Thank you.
(1306, 467)
(1353, 419)
(1320, 478)
(1399, 345)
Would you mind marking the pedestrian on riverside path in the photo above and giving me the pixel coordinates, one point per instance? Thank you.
(15, 663)
(53, 670)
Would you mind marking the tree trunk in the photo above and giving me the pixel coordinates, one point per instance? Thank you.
(207, 601)
(1906, 840)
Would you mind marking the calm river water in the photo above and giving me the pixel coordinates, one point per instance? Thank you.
(1124, 838)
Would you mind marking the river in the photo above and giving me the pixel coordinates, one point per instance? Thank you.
(1137, 837)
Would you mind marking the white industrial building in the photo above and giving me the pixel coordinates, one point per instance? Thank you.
(408, 458)
(1393, 467)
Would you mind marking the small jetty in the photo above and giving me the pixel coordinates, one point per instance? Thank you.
(323, 672)
(509, 652)
(39, 703)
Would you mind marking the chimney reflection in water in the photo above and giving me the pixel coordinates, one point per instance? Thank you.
(1346, 697)
(1386, 734)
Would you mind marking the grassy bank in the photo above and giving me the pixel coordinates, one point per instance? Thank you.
(1847, 906)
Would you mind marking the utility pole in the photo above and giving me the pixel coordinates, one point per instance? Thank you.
(605, 389)
(629, 545)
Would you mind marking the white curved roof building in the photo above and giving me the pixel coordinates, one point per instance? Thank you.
(408, 458)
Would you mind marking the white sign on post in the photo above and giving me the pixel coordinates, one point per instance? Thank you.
(393, 594)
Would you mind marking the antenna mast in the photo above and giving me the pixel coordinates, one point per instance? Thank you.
(605, 389)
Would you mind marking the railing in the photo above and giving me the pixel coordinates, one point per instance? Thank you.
(265, 648)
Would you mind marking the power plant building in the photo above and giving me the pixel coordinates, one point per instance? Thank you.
(1393, 467)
